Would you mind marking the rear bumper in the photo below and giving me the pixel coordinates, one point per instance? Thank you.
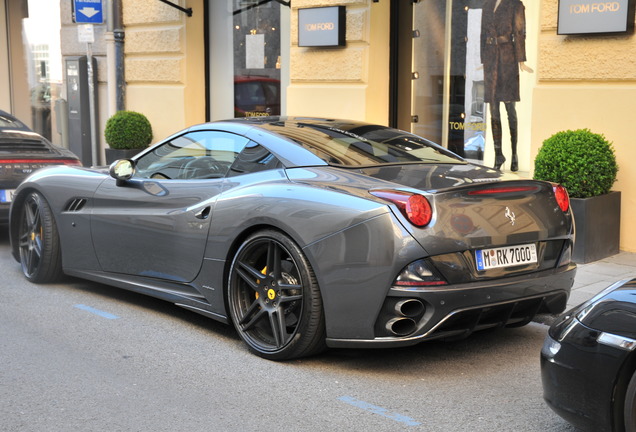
(456, 311)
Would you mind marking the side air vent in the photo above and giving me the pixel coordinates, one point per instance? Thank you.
(75, 205)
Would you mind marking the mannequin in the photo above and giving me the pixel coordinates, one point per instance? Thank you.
(503, 54)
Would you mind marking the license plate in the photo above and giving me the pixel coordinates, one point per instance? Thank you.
(6, 195)
(508, 256)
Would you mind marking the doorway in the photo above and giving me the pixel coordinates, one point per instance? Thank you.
(436, 78)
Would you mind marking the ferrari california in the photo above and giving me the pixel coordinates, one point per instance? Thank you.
(306, 233)
(588, 362)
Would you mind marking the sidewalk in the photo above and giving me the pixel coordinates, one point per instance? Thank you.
(594, 277)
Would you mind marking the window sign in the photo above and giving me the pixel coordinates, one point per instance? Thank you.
(595, 16)
(321, 27)
(255, 51)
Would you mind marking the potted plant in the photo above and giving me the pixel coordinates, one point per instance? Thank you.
(126, 133)
(584, 162)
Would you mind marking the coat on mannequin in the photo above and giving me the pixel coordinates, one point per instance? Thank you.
(503, 54)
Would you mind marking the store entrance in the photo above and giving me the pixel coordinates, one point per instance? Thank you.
(437, 78)
(248, 68)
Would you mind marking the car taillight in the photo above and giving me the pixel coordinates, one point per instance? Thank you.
(503, 190)
(562, 197)
(414, 207)
(40, 162)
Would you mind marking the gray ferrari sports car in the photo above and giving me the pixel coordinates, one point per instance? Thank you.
(306, 233)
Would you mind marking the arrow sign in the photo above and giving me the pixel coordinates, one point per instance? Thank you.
(88, 11)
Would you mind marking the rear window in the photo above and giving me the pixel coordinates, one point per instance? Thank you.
(365, 145)
(11, 123)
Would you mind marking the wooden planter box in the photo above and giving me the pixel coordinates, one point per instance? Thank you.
(598, 221)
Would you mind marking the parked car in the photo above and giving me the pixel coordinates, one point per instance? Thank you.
(588, 362)
(22, 151)
(306, 233)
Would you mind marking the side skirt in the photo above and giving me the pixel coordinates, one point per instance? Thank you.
(157, 289)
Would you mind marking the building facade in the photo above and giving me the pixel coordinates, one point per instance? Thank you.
(422, 66)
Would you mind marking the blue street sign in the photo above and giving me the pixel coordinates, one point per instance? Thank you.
(88, 11)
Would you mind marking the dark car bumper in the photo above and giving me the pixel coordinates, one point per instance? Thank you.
(456, 311)
(579, 375)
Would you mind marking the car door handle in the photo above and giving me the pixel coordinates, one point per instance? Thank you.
(203, 214)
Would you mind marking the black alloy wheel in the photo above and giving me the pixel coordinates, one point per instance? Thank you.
(274, 299)
(39, 242)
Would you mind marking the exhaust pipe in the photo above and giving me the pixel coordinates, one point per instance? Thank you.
(409, 308)
(401, 326)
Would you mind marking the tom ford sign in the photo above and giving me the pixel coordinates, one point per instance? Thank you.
(595, 16)
(321, 27)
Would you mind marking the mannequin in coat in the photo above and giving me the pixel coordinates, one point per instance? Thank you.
(503, 54)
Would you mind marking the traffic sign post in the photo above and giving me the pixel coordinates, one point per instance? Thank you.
(88, 11)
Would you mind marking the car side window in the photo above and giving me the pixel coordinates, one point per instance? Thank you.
(194, 155)
(253, 158)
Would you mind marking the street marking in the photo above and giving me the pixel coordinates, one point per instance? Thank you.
(96, 311)
(379, 410)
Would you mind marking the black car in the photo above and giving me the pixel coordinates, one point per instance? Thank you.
(588, 362)
(23, 151)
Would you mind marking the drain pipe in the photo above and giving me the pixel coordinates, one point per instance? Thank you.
(115, 57)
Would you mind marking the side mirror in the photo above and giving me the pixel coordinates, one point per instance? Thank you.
(122, 170)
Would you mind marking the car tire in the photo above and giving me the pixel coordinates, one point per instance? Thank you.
(629, 413)
(39, 242)
(273, 298)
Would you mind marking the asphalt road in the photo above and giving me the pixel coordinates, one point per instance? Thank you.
(80, 356)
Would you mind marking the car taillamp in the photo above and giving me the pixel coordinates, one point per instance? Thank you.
(414, 207)
(562, 197)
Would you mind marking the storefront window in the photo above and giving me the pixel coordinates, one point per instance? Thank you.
(257, 58)
(466, 59)
(447, 91)
(41, 38)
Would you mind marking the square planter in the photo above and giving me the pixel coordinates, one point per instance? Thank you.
(115, 154)
(598, 221)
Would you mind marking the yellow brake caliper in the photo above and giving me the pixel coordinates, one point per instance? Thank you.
(264, 272)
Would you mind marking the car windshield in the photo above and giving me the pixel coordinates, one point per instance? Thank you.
(363, 145)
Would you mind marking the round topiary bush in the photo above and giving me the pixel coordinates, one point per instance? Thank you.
(128, 130)
(582, 161)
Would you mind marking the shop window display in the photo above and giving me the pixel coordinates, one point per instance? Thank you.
(257, 57)
(466, 59)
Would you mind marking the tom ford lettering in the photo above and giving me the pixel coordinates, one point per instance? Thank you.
(320, 26)
(595, 8)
